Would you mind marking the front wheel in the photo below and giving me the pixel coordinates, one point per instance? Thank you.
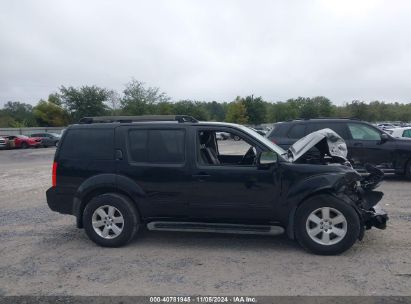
(24, 145)
(110, 220)
(326, 225)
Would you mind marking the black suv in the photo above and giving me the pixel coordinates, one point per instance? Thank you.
(366, 143)
(118, 174)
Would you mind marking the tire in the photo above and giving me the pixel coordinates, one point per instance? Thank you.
(123, 208)
(24, 145)
(348, 226)
(408, 170)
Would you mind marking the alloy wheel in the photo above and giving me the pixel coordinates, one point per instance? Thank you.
(108, 222)
(326, 226)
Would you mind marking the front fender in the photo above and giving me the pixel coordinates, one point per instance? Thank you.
(332, 183)
(318, 183)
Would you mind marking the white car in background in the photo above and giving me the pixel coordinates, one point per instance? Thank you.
(400, 132)
(3, 143)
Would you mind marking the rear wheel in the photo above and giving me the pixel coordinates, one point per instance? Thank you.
(326, 225)
(111, 220)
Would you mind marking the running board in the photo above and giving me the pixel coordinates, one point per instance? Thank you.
(215, 228)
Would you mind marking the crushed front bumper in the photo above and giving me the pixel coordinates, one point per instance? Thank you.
(375, 217)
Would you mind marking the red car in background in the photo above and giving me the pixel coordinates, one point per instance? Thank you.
(22, 141)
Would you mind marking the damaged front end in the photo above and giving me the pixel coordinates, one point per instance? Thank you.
(330, 149)
(361, 194)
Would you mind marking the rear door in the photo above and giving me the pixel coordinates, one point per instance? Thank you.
(156, 160)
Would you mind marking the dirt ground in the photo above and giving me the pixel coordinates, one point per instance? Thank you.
(43, 253)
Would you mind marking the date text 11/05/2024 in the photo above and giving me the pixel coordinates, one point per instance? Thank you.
(202, 299)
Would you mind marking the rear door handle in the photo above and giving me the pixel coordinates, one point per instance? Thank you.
(358, 144)
(201, 176)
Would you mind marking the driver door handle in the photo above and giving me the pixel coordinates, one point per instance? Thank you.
(358, 144)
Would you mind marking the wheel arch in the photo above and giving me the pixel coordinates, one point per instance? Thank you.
(105, 183)
(291, 216)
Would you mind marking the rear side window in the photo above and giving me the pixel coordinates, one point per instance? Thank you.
(297, 131)
(88, 144)
(337, 127)
(157, 146)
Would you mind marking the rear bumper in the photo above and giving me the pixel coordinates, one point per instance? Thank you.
(59, 202)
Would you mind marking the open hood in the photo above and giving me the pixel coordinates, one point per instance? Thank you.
(326, 141)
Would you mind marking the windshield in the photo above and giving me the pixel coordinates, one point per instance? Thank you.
(22, 136)
(264, 140)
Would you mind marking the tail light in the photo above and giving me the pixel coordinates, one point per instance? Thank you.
(54, 175)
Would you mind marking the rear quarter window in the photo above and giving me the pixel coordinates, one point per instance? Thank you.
(88, 143)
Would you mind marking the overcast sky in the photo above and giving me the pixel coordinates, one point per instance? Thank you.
(208, 50)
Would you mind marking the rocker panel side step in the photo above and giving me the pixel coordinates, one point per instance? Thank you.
(215, 228)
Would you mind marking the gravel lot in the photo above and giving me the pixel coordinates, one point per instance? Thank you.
(43, 253)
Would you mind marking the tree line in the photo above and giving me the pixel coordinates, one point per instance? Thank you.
(69, 104)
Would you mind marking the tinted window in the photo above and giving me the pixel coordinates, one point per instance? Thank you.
(338, 128)
(406, 133)
(157, 146)
(363, 132)
(138, 145)
(88, 144)
(297, 131)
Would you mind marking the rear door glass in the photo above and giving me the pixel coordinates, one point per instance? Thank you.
(157, 146)
(297, 131)
(337, 127)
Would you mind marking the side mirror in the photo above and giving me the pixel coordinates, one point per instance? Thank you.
(384, 137)
(267, 158)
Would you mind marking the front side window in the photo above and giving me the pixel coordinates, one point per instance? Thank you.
(363, 132)
(157, 146)
(221, 148)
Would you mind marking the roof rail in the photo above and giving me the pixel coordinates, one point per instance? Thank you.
(129, 119)
(301, 118)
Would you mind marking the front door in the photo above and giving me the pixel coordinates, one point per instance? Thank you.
(227, 184)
